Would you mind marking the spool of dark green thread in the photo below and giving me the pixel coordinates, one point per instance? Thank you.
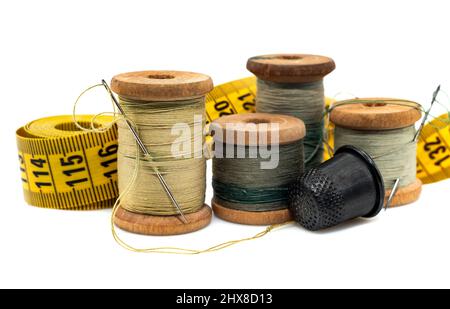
(292, 84)
(249, 188)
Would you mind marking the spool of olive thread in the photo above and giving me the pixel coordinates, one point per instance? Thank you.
(292, 84)
(155, 101)
(384, 128)
(244, 192)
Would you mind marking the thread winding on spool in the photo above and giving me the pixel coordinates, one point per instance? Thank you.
(292, 84)
(156, 101)
(347, 186)
(244, 192)
(384, 128)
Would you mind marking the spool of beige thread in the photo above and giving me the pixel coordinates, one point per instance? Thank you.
(154, 87)
(380, 114)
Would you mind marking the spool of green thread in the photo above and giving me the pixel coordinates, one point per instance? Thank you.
(292, 84)
(249, 188)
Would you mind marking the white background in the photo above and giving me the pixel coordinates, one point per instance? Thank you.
(51, 50)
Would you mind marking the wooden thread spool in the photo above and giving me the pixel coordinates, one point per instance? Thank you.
(291, 84)
(161, 86)
(291, 131)
(380, 114)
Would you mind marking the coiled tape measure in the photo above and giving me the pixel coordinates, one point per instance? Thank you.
(65, 168)
(62, 167)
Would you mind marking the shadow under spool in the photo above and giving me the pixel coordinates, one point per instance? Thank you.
(377, 115)
(161, 86)
(293, 71)
(291, 132)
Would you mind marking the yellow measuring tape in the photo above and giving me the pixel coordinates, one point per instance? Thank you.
(236, 97)
(65, 168)
(433, 151)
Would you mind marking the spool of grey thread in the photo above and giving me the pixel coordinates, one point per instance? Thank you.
(292, 84)
(384, 128)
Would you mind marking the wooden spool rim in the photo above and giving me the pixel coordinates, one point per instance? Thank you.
(405, 195)
(290, 129)
(161, 85)
(251, 218)
(376, 114)
(290, 68)
(162, 225)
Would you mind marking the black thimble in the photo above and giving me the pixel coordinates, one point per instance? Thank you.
(347, 186)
